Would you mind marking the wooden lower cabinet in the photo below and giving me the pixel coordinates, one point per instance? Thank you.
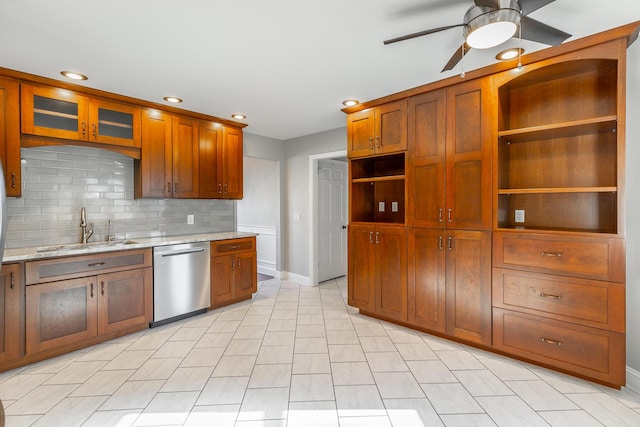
(69, 312)
(72, 302)
(449, 287)
(10, 288)
(378, 270)
(234, 271)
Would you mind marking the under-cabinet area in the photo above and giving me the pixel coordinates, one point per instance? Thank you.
(52, 304)
(508, 193)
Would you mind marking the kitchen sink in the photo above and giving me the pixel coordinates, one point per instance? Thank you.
(75, 246)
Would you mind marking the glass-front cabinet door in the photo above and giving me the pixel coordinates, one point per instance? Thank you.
(60, 113)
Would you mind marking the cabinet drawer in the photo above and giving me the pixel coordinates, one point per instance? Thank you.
(232, 246)
(593, 258)
(590, 302)
(587, 351)
(78, 266)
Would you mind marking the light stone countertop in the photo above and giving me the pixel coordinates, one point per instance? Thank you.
(52, 251)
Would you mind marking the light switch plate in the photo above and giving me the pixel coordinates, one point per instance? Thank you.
(519, 215)
(190, 219)
(380, 206)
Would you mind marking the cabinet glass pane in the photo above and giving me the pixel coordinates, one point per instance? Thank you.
(55, 113)
(115, 124)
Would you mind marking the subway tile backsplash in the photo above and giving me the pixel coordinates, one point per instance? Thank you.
(58, 181)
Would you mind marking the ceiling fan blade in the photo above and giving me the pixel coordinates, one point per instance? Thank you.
(456, 57)
(420, 33)
(538, 32)
(528, 6)
(493, 4)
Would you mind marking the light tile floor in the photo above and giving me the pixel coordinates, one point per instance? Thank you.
(298, 356)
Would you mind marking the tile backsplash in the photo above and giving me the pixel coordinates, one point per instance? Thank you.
(58, 181)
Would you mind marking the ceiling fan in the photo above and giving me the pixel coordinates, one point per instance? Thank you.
(488, 23)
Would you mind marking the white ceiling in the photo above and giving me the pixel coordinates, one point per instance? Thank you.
(286, 64)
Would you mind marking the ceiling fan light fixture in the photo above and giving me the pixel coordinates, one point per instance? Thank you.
(487, 27)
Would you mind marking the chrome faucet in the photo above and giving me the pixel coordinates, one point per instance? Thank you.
(83, 225)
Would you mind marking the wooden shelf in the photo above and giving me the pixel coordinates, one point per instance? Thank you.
(380, 178)
(558, 190)
(561, 130)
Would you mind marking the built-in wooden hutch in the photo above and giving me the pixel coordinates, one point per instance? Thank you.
(499, 221)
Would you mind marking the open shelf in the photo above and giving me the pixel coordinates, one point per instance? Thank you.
(509, 191)
(560, 130)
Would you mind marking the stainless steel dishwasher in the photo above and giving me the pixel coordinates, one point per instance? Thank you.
(181, 281)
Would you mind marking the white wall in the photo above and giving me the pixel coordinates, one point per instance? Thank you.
(633, 215)
(296, 188)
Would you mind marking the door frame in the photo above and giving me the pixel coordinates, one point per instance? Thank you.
(313, 210)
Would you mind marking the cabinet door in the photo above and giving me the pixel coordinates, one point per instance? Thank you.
(154, 169)
(391, 266)
(469, 285)
(125, 300)
(61, 313)
(232, 164)
(54, 112)
(245, 275)
(469, 147)
(360, 133)
(114, 123)
(210, 160)
(426, 134)
(426, 287)
(185, 157)
(221, 280)
(10, 312)
(361, 267)
(390, 127)
(10, 136)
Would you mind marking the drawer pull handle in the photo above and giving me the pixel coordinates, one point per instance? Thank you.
(440, 211)
(440, 247)
(91, 290)
(96, 264)
(551, 254)
(102, 288)
(550, 341)
(543, 295)
(235, 247)
(13, 280)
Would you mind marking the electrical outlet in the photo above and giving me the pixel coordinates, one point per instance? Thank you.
(297, 217)
(380, 206)
(190, 219)
(519, 215)
(394, 206)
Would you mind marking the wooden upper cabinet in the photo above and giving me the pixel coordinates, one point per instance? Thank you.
(154, 171)
(10, 136)
(185, 157)
(210, 160)
(426, 171)
(450, 135)
(470, 136)
(232, 164)
(221, 161)
(378, 130)
(59, 113)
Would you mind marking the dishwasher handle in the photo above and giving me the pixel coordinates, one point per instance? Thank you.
(182, 252)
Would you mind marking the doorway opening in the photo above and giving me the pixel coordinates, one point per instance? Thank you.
(328, 210)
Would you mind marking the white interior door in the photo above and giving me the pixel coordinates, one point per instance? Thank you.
(332, 219)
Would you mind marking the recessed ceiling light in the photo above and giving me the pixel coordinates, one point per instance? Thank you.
(173, 99)
(509, 53)
(239, 116)
(350, 102)
(73, 75)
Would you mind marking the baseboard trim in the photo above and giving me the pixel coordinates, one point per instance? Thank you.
(297, 278)
(633, 379)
